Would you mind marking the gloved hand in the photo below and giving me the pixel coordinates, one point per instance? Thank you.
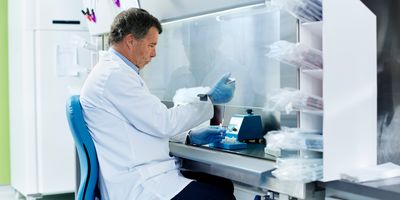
(222, 91)
(207, 135)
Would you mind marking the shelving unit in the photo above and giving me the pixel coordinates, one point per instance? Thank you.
(347, 84)
(311, 81)
(349, 87)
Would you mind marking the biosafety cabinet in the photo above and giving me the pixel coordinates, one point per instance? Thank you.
(232, 35)
(347, 83)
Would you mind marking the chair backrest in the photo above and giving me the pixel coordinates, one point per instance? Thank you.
(89, 167)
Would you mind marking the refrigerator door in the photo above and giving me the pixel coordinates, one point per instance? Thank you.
(59, 15)
(61, 69)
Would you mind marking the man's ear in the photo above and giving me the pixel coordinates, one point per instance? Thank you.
(130, 41)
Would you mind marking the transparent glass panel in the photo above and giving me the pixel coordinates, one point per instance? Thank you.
(198, 52)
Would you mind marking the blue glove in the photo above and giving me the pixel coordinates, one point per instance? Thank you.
(223, 90)
(207, 135)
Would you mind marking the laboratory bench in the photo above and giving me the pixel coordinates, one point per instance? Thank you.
(386, 189)
(250, 166)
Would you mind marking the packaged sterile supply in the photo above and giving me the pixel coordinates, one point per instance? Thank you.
(290, 99)
(304, 10)
(298, 162)
(293, 139)
(184, 96)
(371, 173)
(298, 55)
(290, 153)
(303, 170)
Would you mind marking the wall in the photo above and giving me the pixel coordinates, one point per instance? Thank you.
(388, 33)
(4, 120)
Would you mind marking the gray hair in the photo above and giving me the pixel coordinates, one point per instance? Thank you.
(135, 21)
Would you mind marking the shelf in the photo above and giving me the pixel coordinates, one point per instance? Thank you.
(315, 73)
(308, 112)
(314, 28)
(313, 112)
(311, 34)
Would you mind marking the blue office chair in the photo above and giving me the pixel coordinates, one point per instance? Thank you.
(89, 166)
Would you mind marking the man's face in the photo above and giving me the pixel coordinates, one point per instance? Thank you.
(143, 50)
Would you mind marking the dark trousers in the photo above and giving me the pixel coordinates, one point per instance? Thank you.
(206, 187)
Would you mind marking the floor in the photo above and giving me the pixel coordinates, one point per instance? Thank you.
(8, 193)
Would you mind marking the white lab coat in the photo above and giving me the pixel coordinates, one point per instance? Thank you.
(131, 129)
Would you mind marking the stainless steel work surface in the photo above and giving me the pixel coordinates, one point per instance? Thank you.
(248, 166)
(227, 158)
(380, 189)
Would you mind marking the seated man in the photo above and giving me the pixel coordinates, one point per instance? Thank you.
(131, 128)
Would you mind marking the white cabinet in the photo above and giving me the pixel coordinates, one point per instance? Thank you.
(42, 149)
(348, 84)
(55, 146)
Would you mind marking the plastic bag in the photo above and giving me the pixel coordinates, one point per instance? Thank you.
(289, 153)
(303, 170)
(298, 163)
(184, 96)
(305, 10)
(298, 55)
(294, 139)
(289, 99)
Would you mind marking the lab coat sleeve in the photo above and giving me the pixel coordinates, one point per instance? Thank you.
(181, 137)
(145, 111)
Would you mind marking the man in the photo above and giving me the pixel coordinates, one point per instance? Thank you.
(131, 128)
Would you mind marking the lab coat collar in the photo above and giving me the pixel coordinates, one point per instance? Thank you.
(123, 58)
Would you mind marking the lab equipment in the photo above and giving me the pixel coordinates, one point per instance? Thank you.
(231, 80)
(298, 55)
(229, 142)
(222, 92)
(93, 16)
(290, 99)
(207, 135)
(246, 127)
(305, 10)
(90, 15)
(117, 3)
(89, 167)
(103, 14)
(86, 14)
(241, 128)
